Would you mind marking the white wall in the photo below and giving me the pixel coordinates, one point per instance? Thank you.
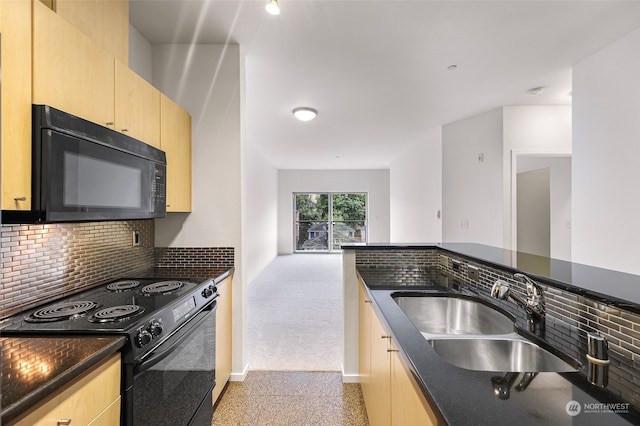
(481, 192)
(472, 189)
(205, 80)
(606, 157)
(140, 60)
(375, 182)
(416, 192)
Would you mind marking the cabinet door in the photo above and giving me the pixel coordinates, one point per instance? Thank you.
(364, 343)
(137, 107)
(69, 71)
(15, 24)
(87, 398)
(408, 404)
(175, 141)
(379, 411)
(223, 337)
(105, 22)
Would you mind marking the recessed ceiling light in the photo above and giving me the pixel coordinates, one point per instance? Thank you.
(305, 113)
(272, 7)
(535, 91)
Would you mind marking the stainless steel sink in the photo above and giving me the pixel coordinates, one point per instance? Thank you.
(503, 354)
(473, 335)
(453, 315)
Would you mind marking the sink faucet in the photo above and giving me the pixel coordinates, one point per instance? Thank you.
(534, 303)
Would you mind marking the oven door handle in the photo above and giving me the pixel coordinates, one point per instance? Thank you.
(180, 334)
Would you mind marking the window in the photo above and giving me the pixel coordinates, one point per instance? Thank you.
(325, 221)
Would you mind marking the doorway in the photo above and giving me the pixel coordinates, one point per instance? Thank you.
(541, 204)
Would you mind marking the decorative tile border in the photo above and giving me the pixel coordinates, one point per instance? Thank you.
(194, 257)
(569, 316)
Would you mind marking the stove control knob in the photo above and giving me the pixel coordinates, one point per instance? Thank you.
(143, 338)
(207, 292)
(155, 328)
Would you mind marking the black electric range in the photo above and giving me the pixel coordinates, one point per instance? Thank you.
(159, 318)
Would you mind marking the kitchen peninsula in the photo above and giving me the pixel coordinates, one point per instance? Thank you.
(579, 299)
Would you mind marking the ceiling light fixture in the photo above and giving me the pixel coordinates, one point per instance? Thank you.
(305, 113)
(535, 91)
(272, 7)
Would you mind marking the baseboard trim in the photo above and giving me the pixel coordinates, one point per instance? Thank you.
(239, 377)
(350, 378)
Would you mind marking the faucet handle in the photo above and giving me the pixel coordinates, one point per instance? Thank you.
(535, 294)
(500, 290)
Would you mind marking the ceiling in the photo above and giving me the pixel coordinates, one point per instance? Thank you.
(377, 71)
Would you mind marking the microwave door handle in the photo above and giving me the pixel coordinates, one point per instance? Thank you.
(157, 356)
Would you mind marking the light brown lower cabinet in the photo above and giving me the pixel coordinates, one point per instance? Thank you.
(93, 399)
(223, 337)
(408, 404)
(391, 394)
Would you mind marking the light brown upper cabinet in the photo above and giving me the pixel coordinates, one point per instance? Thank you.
(105, 22)
(70, 72)
(137, 106)
(15, 26)
(175, 141)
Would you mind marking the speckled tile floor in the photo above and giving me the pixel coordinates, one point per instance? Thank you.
(291, 398)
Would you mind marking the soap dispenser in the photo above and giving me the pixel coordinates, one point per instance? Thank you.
(598, 359)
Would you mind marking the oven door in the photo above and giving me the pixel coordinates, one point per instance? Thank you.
(173, 385)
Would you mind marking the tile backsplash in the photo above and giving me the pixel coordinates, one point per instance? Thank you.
(44, 262)
(41, 263)
(568, 320)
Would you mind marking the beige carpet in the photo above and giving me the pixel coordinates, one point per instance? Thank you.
(295, 319)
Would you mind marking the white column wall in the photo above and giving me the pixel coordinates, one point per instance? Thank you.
(374, 182)
(606, 157)
(261, 213)
(416, 192)
(206, 81)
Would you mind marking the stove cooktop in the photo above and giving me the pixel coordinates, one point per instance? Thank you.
(116, 307)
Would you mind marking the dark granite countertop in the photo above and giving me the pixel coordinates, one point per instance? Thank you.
(34, 368)
(613, 287)
(466, 397)
(196, 274)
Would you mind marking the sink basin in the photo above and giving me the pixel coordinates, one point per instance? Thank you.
(453, 315)
(500, 354)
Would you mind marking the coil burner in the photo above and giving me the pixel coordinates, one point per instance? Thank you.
(123, 285)
(116, 313)
(61, 311)
(162, 287)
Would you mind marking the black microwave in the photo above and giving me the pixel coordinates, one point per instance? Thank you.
(82, 171)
